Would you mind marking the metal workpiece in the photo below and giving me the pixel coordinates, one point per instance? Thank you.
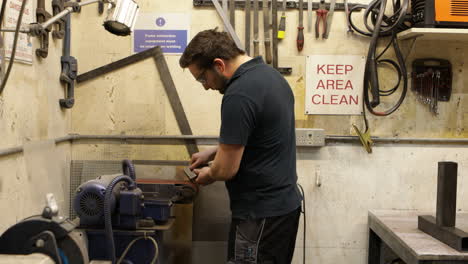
(289, 4)
(446, 193)
(443, 226)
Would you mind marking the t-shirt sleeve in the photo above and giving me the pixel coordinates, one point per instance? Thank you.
(238, 118)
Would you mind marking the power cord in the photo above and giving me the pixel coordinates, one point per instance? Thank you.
(156, 249)
(303, 211)
(382, 26)
(13, 52)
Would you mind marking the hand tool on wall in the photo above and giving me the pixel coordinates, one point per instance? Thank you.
(232, 13)
(227, 24)
(331, 11)
(42, 16)
(274, 26)
(346, 7)
(69, 68)
(321, 17)
(266, 32)
(101, 7)
(225, 7)
(309, 16)
(282, 24)
(247, 27)
(300, 28)
(432, 80)
(255, 40)
(57, 7)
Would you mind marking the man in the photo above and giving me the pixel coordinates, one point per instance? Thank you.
(256, 155)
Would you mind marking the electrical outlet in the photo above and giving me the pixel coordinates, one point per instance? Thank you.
(314, 137)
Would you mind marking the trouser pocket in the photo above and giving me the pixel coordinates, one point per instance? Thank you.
(247, 238)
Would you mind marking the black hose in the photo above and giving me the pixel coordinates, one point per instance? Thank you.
(128, 169)
(2, 12)
(108, 214)
(13, 52)
(382, 26)
(303, 211)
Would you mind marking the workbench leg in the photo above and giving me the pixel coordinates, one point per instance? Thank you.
(375, 244)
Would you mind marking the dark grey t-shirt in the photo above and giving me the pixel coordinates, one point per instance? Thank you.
(257, 111)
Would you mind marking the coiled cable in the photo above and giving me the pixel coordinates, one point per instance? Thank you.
(379, 25)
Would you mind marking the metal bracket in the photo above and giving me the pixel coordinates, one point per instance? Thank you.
(57, 7)
(289, 4)
(68, 76)
(42, 16)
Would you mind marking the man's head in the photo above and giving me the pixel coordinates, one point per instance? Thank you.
(207, 56)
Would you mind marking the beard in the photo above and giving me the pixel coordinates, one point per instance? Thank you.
(221, 83)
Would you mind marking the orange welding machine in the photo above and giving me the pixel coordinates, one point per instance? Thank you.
(440, 13)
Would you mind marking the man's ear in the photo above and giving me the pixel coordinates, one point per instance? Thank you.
(219, 65)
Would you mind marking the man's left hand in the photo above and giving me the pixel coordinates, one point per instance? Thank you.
(204, 176)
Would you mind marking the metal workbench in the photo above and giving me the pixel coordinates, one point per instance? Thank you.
(399, 231)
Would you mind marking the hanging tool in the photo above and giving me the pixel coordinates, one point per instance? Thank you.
(225, 7)
(309, 16)
(274, 26)
(282, 24)
(365, 138)
(300, 28)
(232, 15)
(227, 24)
(322, 13)
(57, 7)
(266, 31)
(329, 18)
(256, 41)
(247, 27)
(42, 16)
(346, 7)
(69, 68)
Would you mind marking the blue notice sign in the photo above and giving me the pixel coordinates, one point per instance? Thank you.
(170, 41)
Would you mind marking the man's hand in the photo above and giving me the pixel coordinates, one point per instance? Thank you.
(202, 158)
(204, 177)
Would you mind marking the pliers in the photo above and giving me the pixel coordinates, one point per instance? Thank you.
(322, 13)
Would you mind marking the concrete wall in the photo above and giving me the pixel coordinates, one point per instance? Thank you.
(30, 115)
(400, 177)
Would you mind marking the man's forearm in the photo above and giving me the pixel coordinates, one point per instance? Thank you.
(213, 151)
(226, 162)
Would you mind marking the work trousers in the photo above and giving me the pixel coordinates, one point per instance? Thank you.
(268, 240)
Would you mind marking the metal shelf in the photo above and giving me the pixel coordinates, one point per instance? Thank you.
(452, 34)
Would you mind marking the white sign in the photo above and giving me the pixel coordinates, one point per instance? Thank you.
(334, 84)
(170, 31)
(24, 49)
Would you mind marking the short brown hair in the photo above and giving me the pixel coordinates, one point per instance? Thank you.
(208, 45)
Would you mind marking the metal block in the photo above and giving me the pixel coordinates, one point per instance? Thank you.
(446, 194)
(454, 237)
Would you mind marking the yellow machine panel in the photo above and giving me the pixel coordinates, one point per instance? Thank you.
(451, 10)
